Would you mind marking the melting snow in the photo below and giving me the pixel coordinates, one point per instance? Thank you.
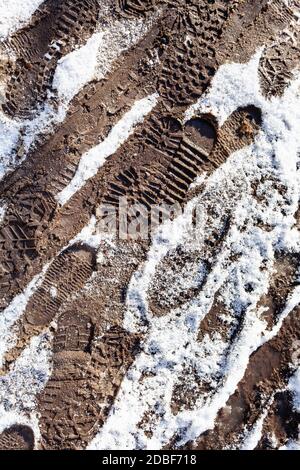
(13, 312)
(294, 387)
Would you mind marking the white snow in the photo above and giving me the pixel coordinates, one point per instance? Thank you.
(92, 160)
(15, 14)
(294, 387)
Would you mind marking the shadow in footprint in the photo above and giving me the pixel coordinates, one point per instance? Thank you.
(17, 437)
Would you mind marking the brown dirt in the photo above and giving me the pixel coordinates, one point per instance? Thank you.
(83, 298)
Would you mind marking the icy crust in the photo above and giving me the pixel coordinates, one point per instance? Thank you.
(73, 72)
(171, 348)
(15, 15)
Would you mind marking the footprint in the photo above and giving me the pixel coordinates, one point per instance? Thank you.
(88, 367)
(55, 29)
(92, 114)
(178, 155)
(67, 274)
(17, 437)
(92, 353)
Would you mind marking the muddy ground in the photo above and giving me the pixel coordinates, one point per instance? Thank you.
(81, 299)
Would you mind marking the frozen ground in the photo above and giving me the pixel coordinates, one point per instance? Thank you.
(170, 347)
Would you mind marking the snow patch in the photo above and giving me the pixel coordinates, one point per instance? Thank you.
(15, 15)
(92, 160)
(253, 437)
